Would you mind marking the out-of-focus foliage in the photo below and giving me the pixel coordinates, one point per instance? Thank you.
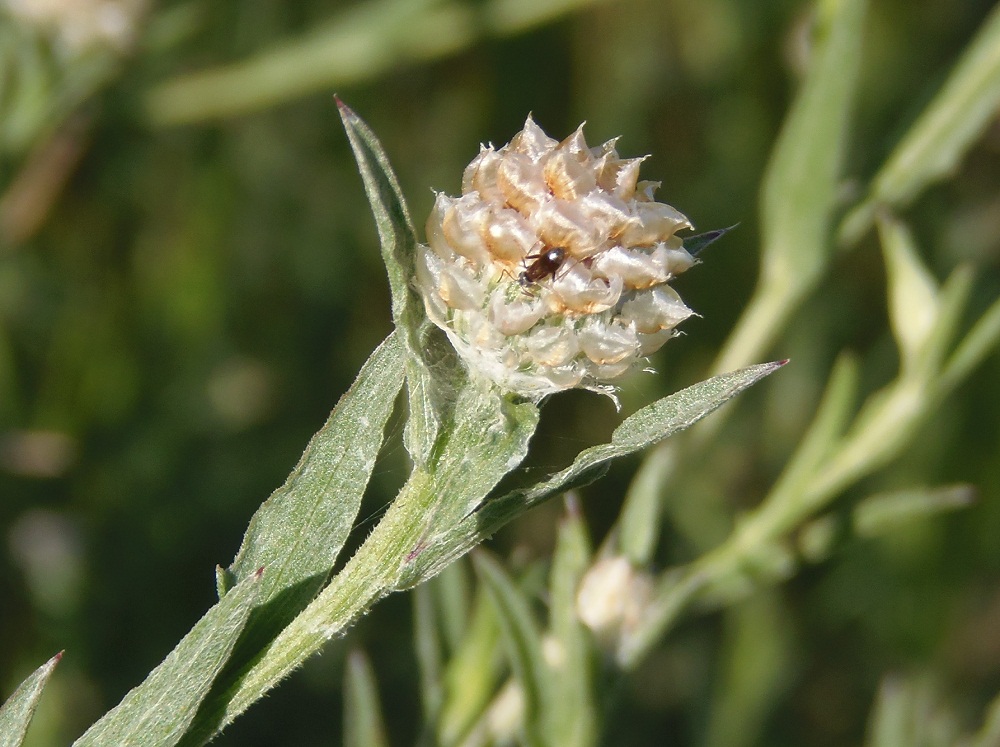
(187, 285)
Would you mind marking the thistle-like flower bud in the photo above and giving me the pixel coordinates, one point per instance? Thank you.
(551, 270)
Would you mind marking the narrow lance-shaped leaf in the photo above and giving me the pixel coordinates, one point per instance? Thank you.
(158, 712)
(17, 710)
(935, 144)
(695, 245)
(430, 386)
(299, 531)
(652, 423)
(524, 644)
(802, 182)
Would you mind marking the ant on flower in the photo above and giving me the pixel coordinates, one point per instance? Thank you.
(544, 264)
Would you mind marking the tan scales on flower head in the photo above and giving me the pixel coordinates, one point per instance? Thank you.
(550, 271)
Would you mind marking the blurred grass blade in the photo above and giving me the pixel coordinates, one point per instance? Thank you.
(821, 438)
(431, 390)
(989, 734)
(642, 512)
(360, 44)
(17, 710)
(472, 673)
(363, 725)
(975, 346)
(936, 143)
(908, 712)
(887, 512)
(523, 642)
(801, 184)
(571, 718)
(755, 663)
(452, 596)
(652, 423)
(889, 725)
(427, 647)
(158, 712)
(300, 530)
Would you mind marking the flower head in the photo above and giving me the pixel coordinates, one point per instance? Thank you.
(550, 271)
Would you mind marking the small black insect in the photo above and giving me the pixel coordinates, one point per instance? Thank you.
(545, 264)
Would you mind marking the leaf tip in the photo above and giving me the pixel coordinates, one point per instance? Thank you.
(347, 114)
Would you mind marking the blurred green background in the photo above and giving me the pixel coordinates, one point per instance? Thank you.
(189, 279)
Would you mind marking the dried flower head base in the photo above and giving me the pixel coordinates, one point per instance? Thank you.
(550, 271)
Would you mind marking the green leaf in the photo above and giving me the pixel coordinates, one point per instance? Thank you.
(17, 710)
(642, 512)
(300, 530)
(802, 182)
(432, 368)
(908, 713)
(158, 712)
(886, 512)
(360, 44)
(452, 594)
(523, 642)
(913, 292)
(936, 143)
(571, 718)
(427, 646)
(652, 423)
(975, 346)
(472, 675)
(489, 438)
(814, 448)
(754, 664)
(363, 725)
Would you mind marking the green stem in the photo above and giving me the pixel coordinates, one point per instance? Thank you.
(371, 574)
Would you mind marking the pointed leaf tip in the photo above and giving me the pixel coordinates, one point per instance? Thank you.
(696, 244)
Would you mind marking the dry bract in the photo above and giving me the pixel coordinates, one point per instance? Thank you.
(535, 321)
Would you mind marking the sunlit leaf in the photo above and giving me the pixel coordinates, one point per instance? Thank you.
(17, 710)
(158, 712)
(299, 531)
